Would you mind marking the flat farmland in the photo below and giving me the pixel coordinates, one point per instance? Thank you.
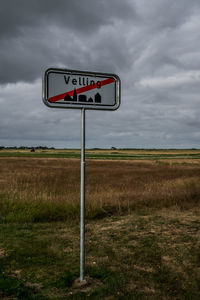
(142, 225)
(112, 154)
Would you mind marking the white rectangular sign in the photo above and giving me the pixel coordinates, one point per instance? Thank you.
(77, 89)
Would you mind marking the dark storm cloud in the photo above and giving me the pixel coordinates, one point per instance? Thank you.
(36, 34)
(85, 16)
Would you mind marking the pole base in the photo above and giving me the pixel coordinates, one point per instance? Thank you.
(86, 284)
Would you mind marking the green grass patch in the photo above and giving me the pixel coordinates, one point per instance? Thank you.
(134, 257)
(22, 211)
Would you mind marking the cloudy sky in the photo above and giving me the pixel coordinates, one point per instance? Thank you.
(153, 45)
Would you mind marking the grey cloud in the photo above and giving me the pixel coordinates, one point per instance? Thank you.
(165, 14)
(152, 45)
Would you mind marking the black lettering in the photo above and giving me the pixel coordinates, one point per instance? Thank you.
(80, 81)
(92, 83)
(67, 79)
(83, 81)
(98, 84)
(74, 81)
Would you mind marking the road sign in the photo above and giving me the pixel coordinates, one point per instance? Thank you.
(84, 90)
(77, 89)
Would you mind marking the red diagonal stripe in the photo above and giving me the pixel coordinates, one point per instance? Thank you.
(80, 90)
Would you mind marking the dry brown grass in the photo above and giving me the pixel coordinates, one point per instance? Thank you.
(49, 189)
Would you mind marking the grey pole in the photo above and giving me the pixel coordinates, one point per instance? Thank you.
(82, 210)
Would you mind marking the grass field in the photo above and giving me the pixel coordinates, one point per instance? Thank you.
(129, 154)
(142, 227)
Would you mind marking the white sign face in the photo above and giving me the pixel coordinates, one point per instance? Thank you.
(78, 89)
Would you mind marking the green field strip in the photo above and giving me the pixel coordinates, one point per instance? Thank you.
(101, 156)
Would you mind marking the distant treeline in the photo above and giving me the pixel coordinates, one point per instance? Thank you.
(27, 148)
(99, 149)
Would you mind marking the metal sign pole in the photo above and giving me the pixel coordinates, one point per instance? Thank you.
(82, 208)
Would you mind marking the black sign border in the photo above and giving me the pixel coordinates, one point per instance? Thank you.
(85, 105)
